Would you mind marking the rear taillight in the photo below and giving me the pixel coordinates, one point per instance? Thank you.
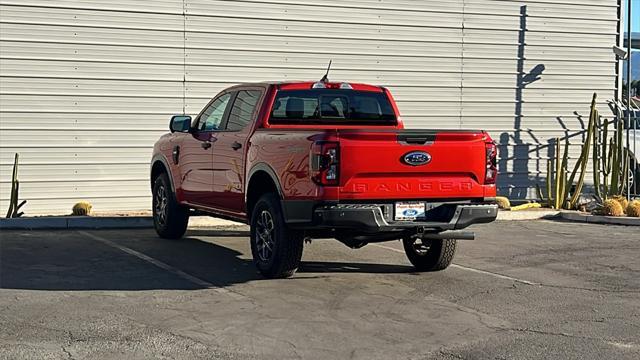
(325, 158)
(491, 163)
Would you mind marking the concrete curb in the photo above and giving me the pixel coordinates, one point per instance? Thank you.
(526, 214)
(76, 222)
(599, 219)
(100, 222)
(141, 222)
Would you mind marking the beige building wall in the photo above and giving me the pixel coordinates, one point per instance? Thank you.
(87, 86)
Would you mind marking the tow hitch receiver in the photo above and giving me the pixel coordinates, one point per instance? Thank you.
(458, 235)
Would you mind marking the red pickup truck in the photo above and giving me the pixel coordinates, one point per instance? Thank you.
(304, 160)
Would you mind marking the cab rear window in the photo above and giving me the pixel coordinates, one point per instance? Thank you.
(332, 106)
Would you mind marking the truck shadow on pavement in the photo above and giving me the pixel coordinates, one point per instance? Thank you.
(344, 267)
(71, 261)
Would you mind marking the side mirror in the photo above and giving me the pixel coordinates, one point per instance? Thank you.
(180, 123)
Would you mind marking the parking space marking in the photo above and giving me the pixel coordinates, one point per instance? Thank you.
(494, 274)
(461, 267)
(164, 266)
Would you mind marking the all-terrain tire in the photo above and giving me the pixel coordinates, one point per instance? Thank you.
(435, 256)
(276, 249)
(170, 219)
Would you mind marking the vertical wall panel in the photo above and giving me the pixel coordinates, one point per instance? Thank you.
(528, 67)
(87, 86)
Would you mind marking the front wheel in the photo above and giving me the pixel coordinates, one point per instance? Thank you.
(429, 255)
(170, 219)
(276, 249)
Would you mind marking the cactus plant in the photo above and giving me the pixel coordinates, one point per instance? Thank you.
(559, 182)
(608, 155)
(611, 207)
(503, 203)
(556, 183)
(581, 164)
(539, 192)
(610, 163)
(14, 207)
(622, 200)
(82, 208)
(596, 157)
(617, 160)
(633, 209)
(549, 197)
(561, 195)
(606, 161)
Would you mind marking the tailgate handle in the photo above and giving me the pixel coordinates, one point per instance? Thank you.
(416, 140)
(419, 140)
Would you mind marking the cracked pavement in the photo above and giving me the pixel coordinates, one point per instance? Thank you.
(522, 290)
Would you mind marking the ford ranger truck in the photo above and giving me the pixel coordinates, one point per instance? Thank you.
(310, 160)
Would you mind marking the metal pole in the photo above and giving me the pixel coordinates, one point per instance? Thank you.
(628, 117)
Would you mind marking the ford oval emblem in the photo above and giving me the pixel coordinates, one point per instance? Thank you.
(410, 212)
(416, 158)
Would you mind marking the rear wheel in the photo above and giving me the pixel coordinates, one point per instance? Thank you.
(429, 255)
(276, 249)
(170, 219)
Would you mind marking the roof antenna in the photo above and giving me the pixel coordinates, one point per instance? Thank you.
(326, 75)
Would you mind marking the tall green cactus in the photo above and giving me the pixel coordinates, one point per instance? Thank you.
(616, 159)
(610, 164)
(558, 177)
(564, 188)
(550, 200)
(14, 207)
(563, 193)
(558, 196)
(606, 160)
(596, 158)
(584, 155)
(624, 180)
(610, 160)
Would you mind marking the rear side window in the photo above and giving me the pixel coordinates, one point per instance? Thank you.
(243, 108)
(332, 106)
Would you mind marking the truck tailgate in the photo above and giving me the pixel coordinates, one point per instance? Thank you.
(373, 164)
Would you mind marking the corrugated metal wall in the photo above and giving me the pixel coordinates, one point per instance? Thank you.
(87, 86)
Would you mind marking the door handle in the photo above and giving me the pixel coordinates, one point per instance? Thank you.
(205, 144)
(236, 145)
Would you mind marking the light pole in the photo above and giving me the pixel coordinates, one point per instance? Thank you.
(629, 18)
(628, 115)
(621, 55)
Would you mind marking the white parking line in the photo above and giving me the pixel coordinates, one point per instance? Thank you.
(164, 266)
(478, 271)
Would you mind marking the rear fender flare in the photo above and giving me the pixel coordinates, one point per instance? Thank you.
(267, 169)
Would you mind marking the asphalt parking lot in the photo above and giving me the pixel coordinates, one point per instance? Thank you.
(522, 290)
